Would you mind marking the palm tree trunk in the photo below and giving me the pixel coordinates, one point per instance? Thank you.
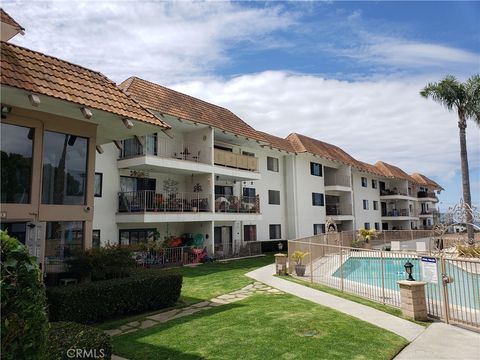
(462, 125)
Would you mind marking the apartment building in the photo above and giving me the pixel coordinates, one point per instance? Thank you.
(212, 175)
(55, 117)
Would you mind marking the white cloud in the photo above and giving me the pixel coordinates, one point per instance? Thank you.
(160, 41)
(372, 120)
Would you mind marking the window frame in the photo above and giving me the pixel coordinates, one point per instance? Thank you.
(364, 182)
(375, 205)
(130, 231)
(272, 196)
(274, 162)
(322, 229)
(245, 231)
(274, 227)
(313, 167)
(374, 184)
(366, 226)
(96, 231)
(322, 199)
(366, 205)
(95, 194)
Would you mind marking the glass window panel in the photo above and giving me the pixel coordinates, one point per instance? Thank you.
(64, 169)
(63, 239)
(98, 185)
(95, 238)
(16, 148)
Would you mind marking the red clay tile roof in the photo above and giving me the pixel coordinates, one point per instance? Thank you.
(46, 75)
(167, 101)
(278, 142)
(363, 166)
(423, 180)
(7, 19)
(302, 143)
(389, 170)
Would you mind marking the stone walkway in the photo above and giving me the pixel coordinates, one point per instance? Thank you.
(161, 317)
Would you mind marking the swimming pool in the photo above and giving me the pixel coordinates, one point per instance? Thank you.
(465, 290)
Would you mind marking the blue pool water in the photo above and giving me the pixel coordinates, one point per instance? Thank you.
(464, 291)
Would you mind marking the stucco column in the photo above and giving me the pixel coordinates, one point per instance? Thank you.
(281, 264)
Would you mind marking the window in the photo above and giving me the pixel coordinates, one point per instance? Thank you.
(248, 153)
(223, 148)
(95, 238)
(249, 192)
(365, 204)
(128, 183)
(374, 184)
(375, 205)
(136, 236)
(274, 197)
(377, 226)
(250, 232)
(63, 239)
(97, 191)
(364, 182)
(17, 148)
(272, 164)
(223, 190)
(366, 226)
(318, 199)
(315, 169)
(18, 230)
(64, 169)
(318, 229)
(275, 231)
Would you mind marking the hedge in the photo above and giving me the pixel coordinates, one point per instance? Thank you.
(97, 301)
(24, 316)
(67, 340)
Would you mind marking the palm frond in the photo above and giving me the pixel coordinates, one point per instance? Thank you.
(449, 92)
(472, 107)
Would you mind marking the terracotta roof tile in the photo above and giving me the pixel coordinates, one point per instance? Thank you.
(302, 143)
(423, 180)
(278, 142)
(167, 101)
(393, 171)
(46, 75)
(7, 19)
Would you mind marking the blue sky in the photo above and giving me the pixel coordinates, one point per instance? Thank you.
(348, 73)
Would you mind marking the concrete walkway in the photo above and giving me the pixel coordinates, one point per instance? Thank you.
(404, 328)
(442, 341)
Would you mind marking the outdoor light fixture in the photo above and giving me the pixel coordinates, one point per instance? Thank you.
(34, 100)
(86, 112)
(408, 268)
(128, 123)
(280, 246)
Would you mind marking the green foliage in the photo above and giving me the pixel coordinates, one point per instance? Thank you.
(24, 319)
(367, 235)
(298, 256)
(102, 263)
(92, 302)
(65, 336)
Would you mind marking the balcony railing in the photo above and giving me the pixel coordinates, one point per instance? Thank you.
(151, 201)
(426, 194)
(394, 191)
(338, 209)
(337, 180)
(237, 204)
(190, 151)
(233, 160)
(401, 212)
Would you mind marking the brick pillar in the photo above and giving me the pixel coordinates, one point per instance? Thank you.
(412, 295)
(281, 264)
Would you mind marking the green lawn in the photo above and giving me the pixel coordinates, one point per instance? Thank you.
(385, 308)
(262, 327)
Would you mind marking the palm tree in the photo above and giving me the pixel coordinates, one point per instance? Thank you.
(464, 98)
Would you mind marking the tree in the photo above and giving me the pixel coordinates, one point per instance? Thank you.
(464, 98)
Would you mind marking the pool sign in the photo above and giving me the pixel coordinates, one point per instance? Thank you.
(429, 269)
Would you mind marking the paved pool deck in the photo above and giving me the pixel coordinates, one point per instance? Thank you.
(438, 341)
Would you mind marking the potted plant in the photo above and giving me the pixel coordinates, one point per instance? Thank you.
(367, 235)
(298, 256)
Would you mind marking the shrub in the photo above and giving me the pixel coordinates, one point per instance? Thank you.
(24, 319)
(469, 251)
(66, 337)
(102, 263)
(96, 301)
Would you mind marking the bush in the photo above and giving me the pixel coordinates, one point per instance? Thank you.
(472, 251)
(92, 302)
(102, 263)
(68, 338)
(24, 318)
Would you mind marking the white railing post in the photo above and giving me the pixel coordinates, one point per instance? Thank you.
(383, 276)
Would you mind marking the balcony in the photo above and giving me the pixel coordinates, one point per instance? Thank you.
(237, 204)
(151, 201)
(235, 161)
(427, 196)
(337, 182)
(166, 148)
(402, 214)
(428, 213)
(338, 209)
(392, 194)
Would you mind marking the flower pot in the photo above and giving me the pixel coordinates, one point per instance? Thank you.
(300, 270)
(194, 209)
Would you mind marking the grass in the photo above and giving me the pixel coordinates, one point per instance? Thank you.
(204, 282)
(385, 308)
(262, 327)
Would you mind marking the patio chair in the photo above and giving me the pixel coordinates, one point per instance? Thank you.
(395, 246)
